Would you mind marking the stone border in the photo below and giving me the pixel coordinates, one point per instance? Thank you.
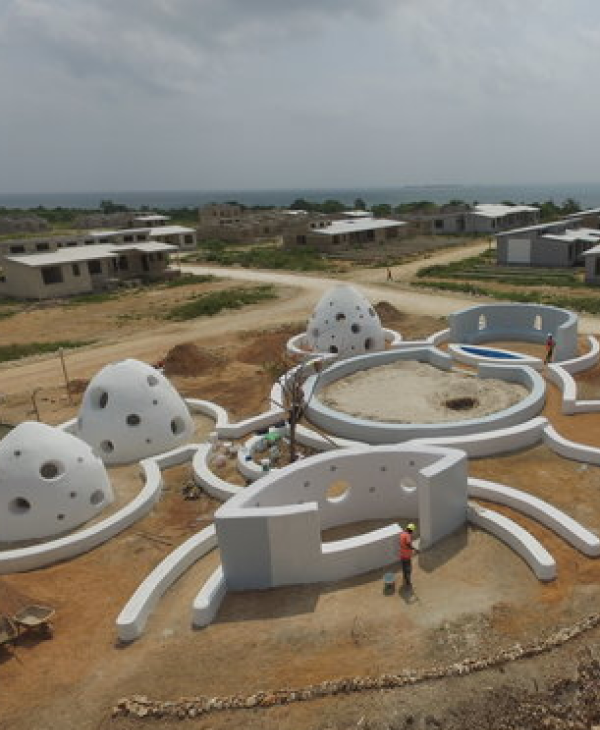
(192, 707)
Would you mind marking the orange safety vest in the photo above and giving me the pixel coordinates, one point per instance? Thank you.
(406, 548)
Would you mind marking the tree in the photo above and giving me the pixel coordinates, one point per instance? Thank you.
(359, 204)
(381, 210)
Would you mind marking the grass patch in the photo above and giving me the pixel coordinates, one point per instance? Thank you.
(97, 298)
(16, 352)
(263, 257)
(186, 279)
(587, 304)
(484, 268)
(211, 303)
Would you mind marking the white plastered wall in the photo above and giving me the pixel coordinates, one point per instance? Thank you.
(270, 534)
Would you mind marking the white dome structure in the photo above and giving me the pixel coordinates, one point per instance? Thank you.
(344, 323)
(50, 482)
(131, 411)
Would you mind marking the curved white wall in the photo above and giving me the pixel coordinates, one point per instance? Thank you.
(270, 533)
(131, 411)
(528, 322)
(50, 483)
(374, 432)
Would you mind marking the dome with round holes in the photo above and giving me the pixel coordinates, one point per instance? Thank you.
(50, 482)
(131, 411)
(344, 323)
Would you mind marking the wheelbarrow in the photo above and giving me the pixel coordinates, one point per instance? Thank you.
(8, 630)
(35, 618)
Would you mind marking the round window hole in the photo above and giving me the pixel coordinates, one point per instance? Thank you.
(152, 381)
(337, 491)
(355, 328)
(408, 485)
(51, 470)
(177, 426)
(19, 506)
(100, 398)
(97, 497)
(133, 419)
(107, 446)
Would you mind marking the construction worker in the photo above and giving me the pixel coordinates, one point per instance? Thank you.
(550, 346)
(406, 553)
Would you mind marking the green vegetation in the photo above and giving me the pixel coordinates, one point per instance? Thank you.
(589, 304)
(483, 268)
(264, 257)
(211, 303)
(16, 352)
(187, 279)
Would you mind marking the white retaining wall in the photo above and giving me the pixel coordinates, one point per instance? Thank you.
(494, 443)
(209, 598)
(553, 518)
(570, 449)
(522, 542)
(374, 432)
(132, 619)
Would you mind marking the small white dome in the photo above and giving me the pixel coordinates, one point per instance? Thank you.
(50, 482)
(345, 323)
(131, 411)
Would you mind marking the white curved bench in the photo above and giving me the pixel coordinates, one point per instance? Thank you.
(556, 520)
(522, 542)
(132, 619)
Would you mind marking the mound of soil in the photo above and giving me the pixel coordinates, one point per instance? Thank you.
(267, 346)
(388, 314)
(188, 360)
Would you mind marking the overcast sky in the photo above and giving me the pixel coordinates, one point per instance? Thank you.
(217, 94)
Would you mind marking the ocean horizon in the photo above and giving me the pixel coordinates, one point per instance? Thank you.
(586, 194)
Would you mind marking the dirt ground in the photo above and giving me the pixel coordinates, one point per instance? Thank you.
(472, 594)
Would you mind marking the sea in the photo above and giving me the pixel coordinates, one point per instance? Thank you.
(586, 194)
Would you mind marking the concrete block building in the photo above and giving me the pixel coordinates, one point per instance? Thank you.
(326, 236)
(82, 269)
(557, 244)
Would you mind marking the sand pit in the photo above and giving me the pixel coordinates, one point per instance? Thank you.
(414, 392)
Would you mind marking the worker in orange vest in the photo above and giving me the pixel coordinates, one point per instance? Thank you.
(406, 553)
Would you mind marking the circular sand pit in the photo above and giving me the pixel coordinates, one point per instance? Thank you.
(415, 392)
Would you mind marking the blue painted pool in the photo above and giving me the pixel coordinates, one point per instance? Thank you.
(489, 352)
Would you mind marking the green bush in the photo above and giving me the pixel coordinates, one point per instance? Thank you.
(186, 279)
(211, 303)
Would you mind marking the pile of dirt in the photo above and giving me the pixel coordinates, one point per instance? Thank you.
(268, 346)
(188, 360)
(12, 600)
(388, 314)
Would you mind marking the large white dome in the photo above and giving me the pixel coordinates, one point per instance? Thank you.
(50, 482)
(131, 411)
(345, 323)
